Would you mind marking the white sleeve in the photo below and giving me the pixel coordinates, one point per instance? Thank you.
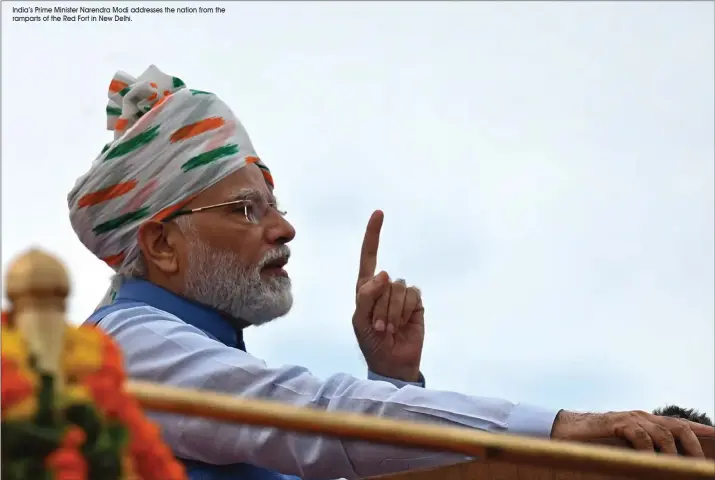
(161, 348)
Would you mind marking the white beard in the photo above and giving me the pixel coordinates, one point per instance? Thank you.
(214, 278)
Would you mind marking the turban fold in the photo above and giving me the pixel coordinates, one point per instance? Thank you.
(170, 144)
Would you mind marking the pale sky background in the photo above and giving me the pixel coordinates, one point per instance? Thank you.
(546, 171)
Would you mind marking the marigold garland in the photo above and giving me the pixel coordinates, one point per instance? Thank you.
(91, 430)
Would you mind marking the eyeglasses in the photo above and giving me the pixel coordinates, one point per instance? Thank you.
(253, 211)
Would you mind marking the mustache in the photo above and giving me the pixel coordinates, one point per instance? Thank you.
(280, 253)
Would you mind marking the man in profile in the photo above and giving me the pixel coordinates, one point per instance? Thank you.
(184, 211)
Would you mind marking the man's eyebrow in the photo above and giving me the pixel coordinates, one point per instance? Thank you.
(252, 194)
(244, 194)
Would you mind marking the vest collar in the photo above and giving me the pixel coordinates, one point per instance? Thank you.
(200, 316)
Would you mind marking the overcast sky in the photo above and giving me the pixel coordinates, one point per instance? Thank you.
(546, 171)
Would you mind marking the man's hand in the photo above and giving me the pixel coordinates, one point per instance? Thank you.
(643, 430)
(389, 317)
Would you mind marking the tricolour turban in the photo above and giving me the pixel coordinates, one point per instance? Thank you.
(170, 144)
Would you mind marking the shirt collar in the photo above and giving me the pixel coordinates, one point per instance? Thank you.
(200, 316)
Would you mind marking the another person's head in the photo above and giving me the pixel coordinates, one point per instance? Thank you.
(686, 413)
(180, 199)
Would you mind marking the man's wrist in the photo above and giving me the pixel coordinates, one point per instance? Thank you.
(410, 377)
(406, 375)
(421, 383)
(567, 425)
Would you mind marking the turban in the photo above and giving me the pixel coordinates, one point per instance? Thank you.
(170, 144)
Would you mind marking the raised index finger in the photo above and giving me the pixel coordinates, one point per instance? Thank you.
(370, 244)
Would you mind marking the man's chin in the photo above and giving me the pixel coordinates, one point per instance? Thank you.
(276, 312)
(275, 301)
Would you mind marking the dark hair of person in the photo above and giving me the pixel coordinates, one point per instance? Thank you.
(686, 413)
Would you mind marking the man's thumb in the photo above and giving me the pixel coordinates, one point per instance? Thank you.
(368, 294)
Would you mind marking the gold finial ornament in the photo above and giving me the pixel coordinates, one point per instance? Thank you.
(37, 286)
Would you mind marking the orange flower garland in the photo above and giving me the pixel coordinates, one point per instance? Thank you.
(19, 381)
(92, 365)
(16, 386)
(67, 462)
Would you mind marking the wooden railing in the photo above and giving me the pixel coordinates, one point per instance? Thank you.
(522, 453)
(495, 470)
(38, 284)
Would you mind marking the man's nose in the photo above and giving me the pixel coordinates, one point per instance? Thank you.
(280, 232)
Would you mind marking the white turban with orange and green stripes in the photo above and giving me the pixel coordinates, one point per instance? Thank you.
(170, 144)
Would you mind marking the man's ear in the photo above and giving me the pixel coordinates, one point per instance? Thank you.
(158, 242)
